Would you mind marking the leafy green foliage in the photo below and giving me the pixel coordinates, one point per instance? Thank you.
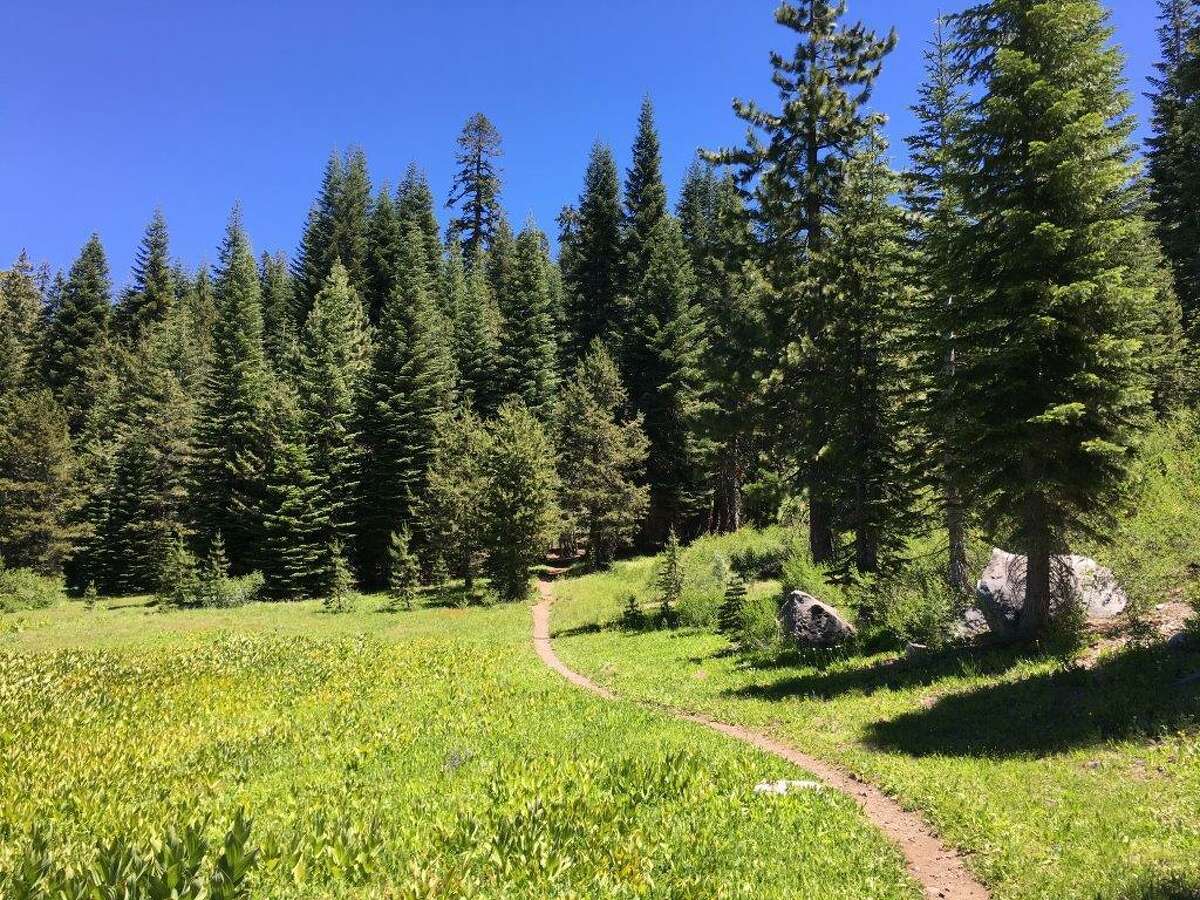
(404, 573)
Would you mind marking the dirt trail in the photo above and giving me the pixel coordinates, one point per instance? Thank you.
(940, 870)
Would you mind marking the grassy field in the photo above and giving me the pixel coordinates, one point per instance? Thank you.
(401, 755)
(1060, 781)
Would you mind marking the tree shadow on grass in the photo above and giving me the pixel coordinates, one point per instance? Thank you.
(888, 674)
(1166, 887)
(1140, 692)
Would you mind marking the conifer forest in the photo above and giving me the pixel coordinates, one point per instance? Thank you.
(270, 528)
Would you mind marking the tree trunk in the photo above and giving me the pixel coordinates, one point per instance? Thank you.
(866, 537)
(1035, 615)
(957, 574)
(727, 499)
(820, 525)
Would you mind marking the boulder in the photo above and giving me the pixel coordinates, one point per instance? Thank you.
(811, 623)
(1000, 593)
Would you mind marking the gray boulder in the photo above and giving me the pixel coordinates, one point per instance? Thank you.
(811, 623)
(1000, 593)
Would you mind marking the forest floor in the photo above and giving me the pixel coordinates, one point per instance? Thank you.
(1057, 780)
(413, 754)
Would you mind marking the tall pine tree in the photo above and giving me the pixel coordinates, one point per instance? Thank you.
(152, 293)
(1053, 363)
(233, 437)
(529, 342)
(824, 87)
(475, 195)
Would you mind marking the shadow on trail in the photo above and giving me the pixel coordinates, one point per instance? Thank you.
(1140, 692)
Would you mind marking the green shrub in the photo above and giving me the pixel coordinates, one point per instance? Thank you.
(633, 616)
(914, 604)
(760, 631)
(732, 613)
(22, 589)
(800, 573)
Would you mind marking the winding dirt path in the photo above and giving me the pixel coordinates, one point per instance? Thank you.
(940, 870)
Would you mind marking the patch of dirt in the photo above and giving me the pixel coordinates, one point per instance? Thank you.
(941, 871)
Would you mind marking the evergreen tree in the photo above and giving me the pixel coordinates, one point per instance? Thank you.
(20, 325)
(407, 394)
(39, 491)
(148, 494)
(667, 384)
(295, 562)
(866, 267)
(455, 491)
(645, 200)
(404, 574)
(731, 297)
(590, 257)
(233, 441)
(341, 582)
(602, 457)
(669, 578)
(476, 335)
(280, 332)
(733, 607)
(384, 245)
(475, 195)
(1051, 412)
(414, 206)
(824, 87)
(179, 581)
(76, 340)
(520, 505)
(152, 294)
(1173, 149)
(332, 365)
(338, 227)
(528, 342)
(934, 196)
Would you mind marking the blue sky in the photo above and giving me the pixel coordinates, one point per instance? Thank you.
(108, 110)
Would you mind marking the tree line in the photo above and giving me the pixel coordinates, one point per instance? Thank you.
(973, 344)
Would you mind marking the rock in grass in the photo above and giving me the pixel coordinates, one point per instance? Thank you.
(811, 623)
(1000, 592)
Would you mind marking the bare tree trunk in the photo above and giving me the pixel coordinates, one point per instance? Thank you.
(727, 499)
(1035, 615)
(820, 524)
(959, 577)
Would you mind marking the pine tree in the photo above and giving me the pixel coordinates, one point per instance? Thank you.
(476, 335)
(823, 88)
(295, 562)
(590, 256)
(1051, 412)
(528, 341)
(39, 491)
(152, 293)
(454, 493)
(280, 332)
(1173, 163)
(332, 365)
(75, 355)
(213, 575)
(414, 206)
(341, 582)
(408, 393)
(730, 616)
(153, 457)
(934, 196)
(731, 297)
(404, 574)
(20, 325)
(645, 200)
(179, 580)
(384, 245)
(602, 457)
(667, 385)
(669, 578)
(338, 227)
(232, 437)
(475, 194)
(866, 268)
(520, 508)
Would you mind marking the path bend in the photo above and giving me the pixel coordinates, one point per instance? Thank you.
(940, 870)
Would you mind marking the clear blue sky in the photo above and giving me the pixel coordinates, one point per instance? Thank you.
(108, 110)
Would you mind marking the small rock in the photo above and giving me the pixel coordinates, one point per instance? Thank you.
(811, 623)
(1092, 764)
(914, 649)
(1182, 642)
